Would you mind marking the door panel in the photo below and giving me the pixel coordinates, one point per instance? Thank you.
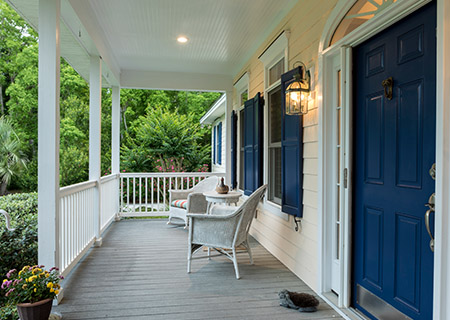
(394, 148)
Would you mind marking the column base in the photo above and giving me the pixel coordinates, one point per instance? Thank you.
(98, 242)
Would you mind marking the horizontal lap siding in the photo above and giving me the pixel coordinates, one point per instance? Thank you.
(297, 250)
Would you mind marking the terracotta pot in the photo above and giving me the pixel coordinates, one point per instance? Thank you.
(222, 188)
(35, 311)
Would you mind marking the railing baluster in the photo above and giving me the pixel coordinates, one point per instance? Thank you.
(146, 194)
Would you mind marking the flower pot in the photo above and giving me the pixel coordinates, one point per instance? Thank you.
(35, 311)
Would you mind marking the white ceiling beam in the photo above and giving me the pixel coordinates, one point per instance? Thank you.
(175, 81)
(87, 17)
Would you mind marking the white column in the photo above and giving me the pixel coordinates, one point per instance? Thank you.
(95, 114)
(115, 131)
(229, 109)
(48, 133)
(115, 140)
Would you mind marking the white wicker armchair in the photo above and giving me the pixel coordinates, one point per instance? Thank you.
(196, 202)
(224, 229)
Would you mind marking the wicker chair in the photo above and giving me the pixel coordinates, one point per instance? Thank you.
(193, 201)
(223, 230)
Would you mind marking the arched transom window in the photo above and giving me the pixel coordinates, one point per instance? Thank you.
(359, 13)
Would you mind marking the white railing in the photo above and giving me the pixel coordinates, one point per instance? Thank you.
(147, 194)
(109, 199)
(76, 223)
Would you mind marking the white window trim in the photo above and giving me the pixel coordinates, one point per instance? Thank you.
(273, 54)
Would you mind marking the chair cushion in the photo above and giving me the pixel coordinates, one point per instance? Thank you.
(179, 204)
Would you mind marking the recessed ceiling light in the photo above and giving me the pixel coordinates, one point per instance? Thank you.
(182, 39)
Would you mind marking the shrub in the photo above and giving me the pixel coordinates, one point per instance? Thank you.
(18, 247)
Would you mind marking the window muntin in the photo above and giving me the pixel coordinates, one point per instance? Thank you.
(275, 72)
(274, 109)
(361, 12)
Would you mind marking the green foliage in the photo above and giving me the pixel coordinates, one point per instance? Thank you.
(12, 159)
(18, 247)
(8, 312)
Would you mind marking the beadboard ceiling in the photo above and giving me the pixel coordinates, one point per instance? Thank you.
(140, 35)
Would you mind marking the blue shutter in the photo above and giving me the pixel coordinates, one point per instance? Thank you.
(233, 149)
(253, 144)
(258, 146)
(214, 145)
(248, 147)
(291, 155)
(219, 143)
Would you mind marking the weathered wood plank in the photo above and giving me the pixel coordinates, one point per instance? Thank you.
(140, 273)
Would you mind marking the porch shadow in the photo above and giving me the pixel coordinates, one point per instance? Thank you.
(140, 273)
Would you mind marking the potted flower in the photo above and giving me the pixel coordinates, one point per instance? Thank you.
(32, 289)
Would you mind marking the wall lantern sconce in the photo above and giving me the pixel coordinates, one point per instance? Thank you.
(297, 93)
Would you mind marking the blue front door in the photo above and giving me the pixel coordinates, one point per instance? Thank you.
(394, 148)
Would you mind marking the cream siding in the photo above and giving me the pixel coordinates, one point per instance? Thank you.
(297, 250)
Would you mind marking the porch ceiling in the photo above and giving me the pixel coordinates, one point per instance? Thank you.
(137, 38)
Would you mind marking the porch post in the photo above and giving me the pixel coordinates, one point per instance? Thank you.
(48, 133)
(115, 139)
(95, 114)
(228, 142)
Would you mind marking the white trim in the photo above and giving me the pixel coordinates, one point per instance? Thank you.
(398, 11)
(441, 308)
(217, 110)
(241, 85)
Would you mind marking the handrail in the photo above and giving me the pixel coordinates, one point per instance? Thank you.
(170, 174)
(8, 220)
(110, 177)
(65, 191)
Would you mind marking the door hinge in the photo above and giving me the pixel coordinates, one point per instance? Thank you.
(345, 178)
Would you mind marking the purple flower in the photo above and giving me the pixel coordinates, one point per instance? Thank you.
(61, 277)
(54, 268)
(10, 291)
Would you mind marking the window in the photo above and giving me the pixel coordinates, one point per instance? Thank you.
(241, 87)
(361, 12)
(274, 109)
(217, 144)
(241, 150)
(275, 64)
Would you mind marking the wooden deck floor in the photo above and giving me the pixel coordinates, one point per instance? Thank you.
(140, 273)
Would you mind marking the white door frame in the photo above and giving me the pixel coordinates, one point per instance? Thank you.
(442, 220)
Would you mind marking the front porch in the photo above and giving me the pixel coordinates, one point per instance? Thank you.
(140, 273)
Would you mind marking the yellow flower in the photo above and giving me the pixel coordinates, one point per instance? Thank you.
(34, 289)
(50, 285)
(20, 272)
(4, 280)
(47, 275)
(57, 291)
(52, 290)
(36, 270)
(24, 286)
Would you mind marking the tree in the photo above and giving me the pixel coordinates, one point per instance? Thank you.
(169, 137)
(12, 159)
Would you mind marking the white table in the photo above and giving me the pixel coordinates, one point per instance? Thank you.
(227, 198)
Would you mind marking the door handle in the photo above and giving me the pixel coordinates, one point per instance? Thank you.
(427, 225)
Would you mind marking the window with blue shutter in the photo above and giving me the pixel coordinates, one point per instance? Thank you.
(253, 148)
(219, 143)
(291, 154)
(233, 149)
(214, 144)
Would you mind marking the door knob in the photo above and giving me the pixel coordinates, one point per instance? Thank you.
(430, 206)
(387, 85)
